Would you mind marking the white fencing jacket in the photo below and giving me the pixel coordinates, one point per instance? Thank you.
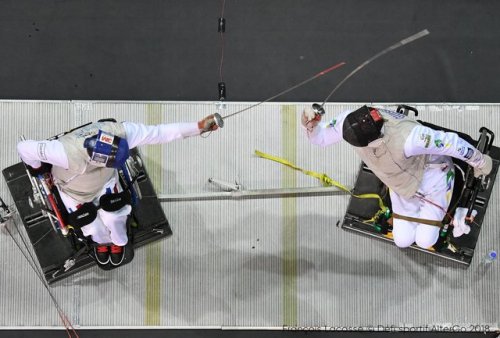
(72, 171)
(399, 157)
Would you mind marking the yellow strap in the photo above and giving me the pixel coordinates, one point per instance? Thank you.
(327, 181)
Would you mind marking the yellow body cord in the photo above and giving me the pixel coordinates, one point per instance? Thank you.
(327, 181)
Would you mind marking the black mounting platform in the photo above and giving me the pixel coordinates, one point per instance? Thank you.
(471, 193)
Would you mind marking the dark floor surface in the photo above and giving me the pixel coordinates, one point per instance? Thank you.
(171, 50)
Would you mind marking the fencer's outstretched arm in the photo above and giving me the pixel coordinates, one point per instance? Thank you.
(141, 134)
(33, 153)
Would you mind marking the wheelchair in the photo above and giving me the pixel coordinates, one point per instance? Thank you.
(468, 192)
(58, 243)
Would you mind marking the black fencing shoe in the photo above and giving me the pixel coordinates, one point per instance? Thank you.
(117, 254)
(102, 254)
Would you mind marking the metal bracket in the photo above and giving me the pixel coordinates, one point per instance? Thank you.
(225, 185)
(69, 264)
(254, 194)
(236, 191)
(6, 215)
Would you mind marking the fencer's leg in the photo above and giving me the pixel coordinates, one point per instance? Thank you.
(403, 232)
(116, 222)
(100, 235)
(96, 229)
(426, 235)
(437, 187)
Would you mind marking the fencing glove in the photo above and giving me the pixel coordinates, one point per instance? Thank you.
(484, 169)
(459, 219)
(207, 124)
(310, 119)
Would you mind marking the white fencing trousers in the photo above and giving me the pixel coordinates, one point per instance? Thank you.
(437, 187)
(108, 227)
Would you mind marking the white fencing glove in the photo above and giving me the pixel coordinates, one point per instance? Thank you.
(459, 225)
(485, 167)
(310, 119)
(207, 124)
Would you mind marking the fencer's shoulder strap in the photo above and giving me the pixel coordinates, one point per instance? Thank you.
(55, 137)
